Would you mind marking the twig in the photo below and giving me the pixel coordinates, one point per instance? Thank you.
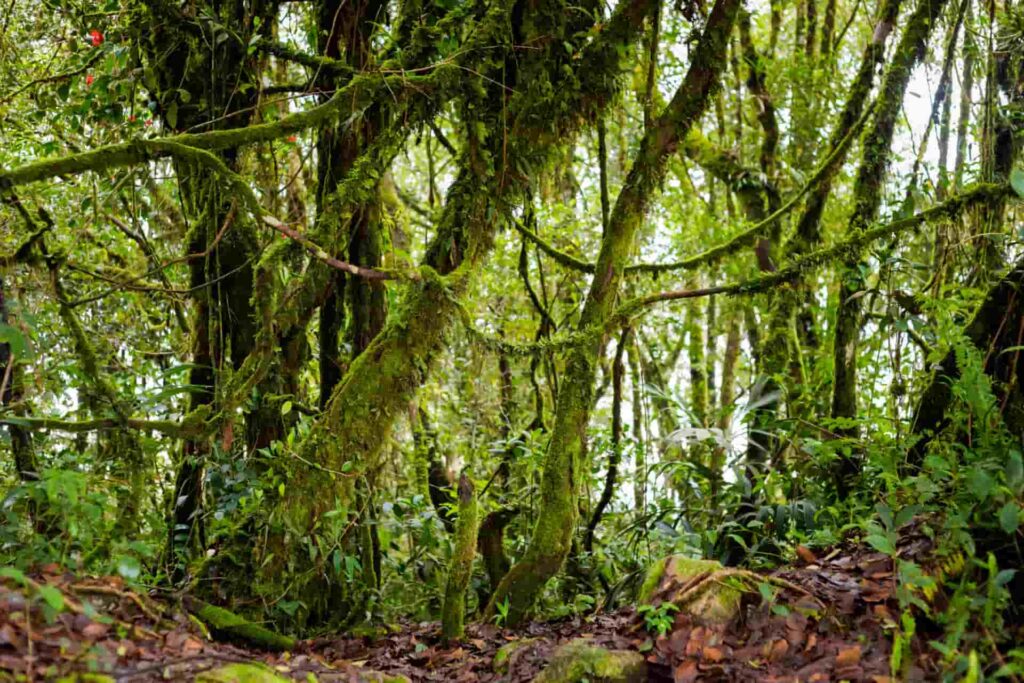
(315, 250)
(107, 590)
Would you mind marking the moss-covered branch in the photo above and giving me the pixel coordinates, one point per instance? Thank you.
(356, 96)
(166, 427)
(743, 239)
(852, 247)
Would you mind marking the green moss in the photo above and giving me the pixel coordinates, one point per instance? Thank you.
(651, 581)
(714, 600)
(581, 661)
(504, 654)
(225, 624)
(241, 673)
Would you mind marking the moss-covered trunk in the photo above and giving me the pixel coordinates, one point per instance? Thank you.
(379, 384)
(867, 195)
(565, 458)
(774, 351)
(202, 80)
(460, 570)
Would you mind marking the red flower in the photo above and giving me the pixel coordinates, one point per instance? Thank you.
(131, 119)
(149, 122)
(292, 138)
(88, 80)
(96, 38)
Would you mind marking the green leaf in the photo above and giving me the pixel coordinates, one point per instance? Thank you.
(9, 334)
(885, 514)
(1017, 181)
(172, 115)
(881, 543)
(1005, 576)
(52, 597)
(128, 567)
(1014, 469)
(1009, 517)
(980, 483)
(13, 574)
(286, 407)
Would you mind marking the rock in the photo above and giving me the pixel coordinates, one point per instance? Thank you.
(241, 673)
(579, 660)
(713, 599)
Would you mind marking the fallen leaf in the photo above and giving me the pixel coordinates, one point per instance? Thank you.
(95, 631)
(713, 654)
(806, 555)
(778, 650)
(848, 657)
(685, 672)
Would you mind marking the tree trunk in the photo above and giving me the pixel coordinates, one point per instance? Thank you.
(867, 195)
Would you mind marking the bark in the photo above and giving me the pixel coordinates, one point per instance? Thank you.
(550, 542)
(639, 432)
(728, 395)
(998, 324)
(121, 448)
(757, 85)
(970, 54)
(491, 544)
(785, 304)
(439, 483)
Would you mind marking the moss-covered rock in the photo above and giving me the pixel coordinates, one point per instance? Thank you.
(580, 660)
(378, 677)
(504, 654)
(241, 673)
(702, 589)
(258, 673)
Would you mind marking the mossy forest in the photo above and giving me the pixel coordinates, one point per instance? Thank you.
(511, 340)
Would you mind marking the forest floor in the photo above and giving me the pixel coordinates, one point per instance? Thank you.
(828, 622)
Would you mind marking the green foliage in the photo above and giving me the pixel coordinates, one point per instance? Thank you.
(162, 334)
(658, 619)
